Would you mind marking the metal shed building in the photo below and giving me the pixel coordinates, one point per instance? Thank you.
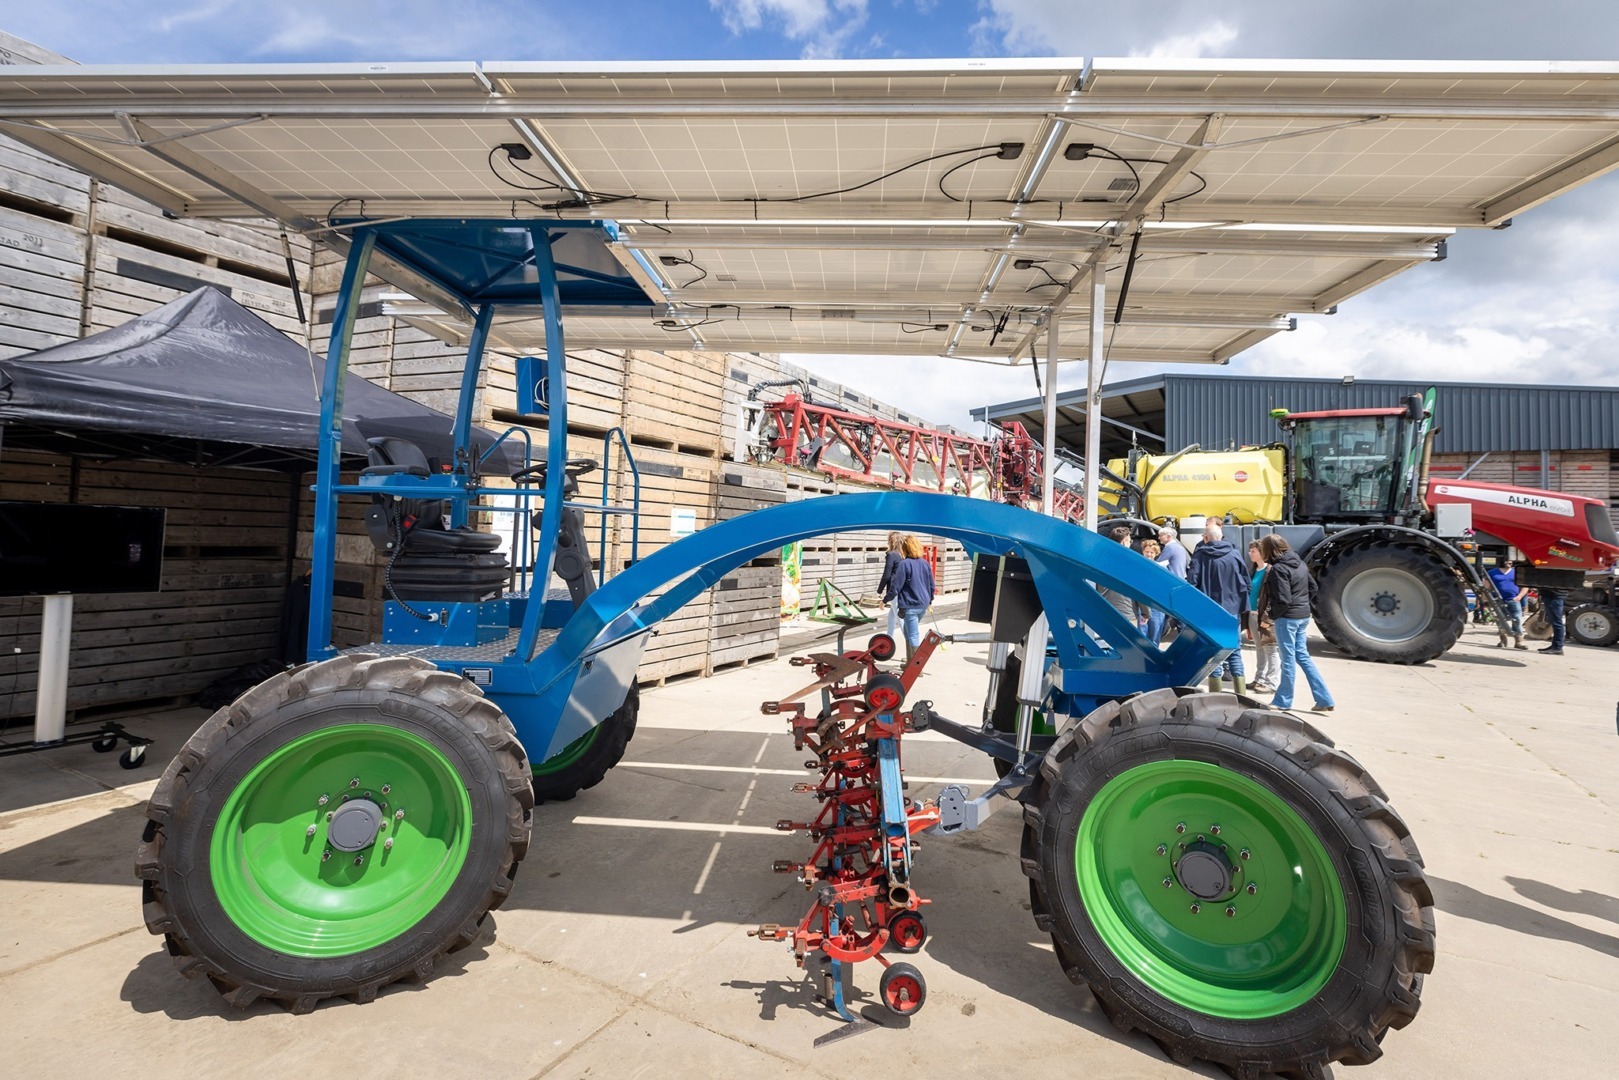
(1565, 438)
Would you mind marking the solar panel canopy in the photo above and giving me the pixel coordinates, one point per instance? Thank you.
(925, 208)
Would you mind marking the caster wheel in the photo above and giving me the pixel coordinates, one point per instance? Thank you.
(881, 647)
(907, 930)
(134, 757)
(105, 745)
(885, 693)
(903, 989)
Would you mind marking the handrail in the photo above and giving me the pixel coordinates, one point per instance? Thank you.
(635, 500)
(520, 534)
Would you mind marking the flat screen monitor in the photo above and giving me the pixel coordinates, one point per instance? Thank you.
(67, 547)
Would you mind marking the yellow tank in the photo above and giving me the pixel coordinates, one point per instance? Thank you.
(1247, 484)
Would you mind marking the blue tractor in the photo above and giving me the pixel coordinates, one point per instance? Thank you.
(1218, 874)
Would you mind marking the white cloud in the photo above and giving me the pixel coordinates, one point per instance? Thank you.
(823, 26)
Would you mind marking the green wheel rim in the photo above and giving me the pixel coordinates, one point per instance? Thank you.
(275, 879)
(570, 753)
(1264, 943)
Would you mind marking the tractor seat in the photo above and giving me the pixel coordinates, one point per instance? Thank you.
(420, 520)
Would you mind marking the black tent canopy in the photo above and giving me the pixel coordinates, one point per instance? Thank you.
(204, 381)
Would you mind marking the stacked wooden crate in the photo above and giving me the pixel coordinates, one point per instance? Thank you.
(675, 400)
(746, 621)
(44, 240)
(223, 587)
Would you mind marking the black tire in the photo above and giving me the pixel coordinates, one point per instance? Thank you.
(1003, 710)
(606, 749)
(133, 758)
(902, 988)
(401, 693)
(105, 745)
(1404, 578)
(907, 932)
(1375, 983)
(1593, 624)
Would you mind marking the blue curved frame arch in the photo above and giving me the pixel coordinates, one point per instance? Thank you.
(1102, 656)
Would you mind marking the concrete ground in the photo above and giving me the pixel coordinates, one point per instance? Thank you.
(622, 952)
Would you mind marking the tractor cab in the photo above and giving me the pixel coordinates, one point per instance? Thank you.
(1358, 465)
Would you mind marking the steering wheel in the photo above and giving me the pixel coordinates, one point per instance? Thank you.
(575, 468)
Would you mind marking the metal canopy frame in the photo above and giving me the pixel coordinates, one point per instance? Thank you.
(1151, 211)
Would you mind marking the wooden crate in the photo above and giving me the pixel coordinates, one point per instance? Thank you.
(42, 257)
(674, 400)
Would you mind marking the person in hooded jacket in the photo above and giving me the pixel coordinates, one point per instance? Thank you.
(1220, 573)
(891, 561)
(1287, 591)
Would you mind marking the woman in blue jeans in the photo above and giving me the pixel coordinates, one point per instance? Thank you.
(1285, 601)
(912, 589)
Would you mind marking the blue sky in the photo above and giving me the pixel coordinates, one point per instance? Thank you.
(1538, 302)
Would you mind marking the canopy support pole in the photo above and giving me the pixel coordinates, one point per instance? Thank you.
(1048, 474)
(1093, 393)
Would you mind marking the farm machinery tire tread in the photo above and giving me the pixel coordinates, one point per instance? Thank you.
(180, 900)
(1444, 628)
(1373, 985)
(1608, 636)
(605, 750)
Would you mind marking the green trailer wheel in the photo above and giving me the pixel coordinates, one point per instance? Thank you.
(335, 829)
(1225, 881)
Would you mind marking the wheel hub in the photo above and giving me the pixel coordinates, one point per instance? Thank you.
(1385, 603)
(355, 825)
(1204, 871)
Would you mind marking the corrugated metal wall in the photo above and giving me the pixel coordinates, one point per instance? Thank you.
(1218, 411)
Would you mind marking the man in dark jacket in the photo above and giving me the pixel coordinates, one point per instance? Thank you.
(1284, 602)
(1219, 572)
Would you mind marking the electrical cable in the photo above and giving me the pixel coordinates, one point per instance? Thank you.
(996, 150)
(962, 165)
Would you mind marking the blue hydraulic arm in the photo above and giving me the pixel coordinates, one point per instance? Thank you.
(1101, 655)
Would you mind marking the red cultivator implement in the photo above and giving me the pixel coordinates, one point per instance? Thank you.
(859, 875)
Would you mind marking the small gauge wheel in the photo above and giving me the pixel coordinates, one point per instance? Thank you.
(105, 745)
(881, 647)
(903, 989)
(907, 930)
(885, 693)
(134, 757)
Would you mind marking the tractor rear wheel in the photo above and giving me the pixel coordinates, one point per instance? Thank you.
(1228, 883)
(335, 829)
(1593, 624)
(584, 762)
(1395, 603)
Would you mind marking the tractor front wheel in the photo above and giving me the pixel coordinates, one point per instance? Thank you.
(1396, 603)
(1593, 624)
(335, 829)
(1228, 883)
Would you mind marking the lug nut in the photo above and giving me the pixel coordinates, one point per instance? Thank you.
(1196, 908)
(399, 815)
(354, 782)
(328, 815)
(1180, 826)
(311, 831)
(1230, 912)
(1253, 889)
(1245, 854)
(359, 860)
(323, 800)
(1163, 849)
(1214, 830)
(326, 855)
(1169, 883)
(388, 844)
(387, 788)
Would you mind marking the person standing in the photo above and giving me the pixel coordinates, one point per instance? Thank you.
(1552, 602)
(891, 560)
(1155, 618)
(1126, 607)
(912, 587)
(1503, 576)
(1267, 658)
(1288, 587)
(1175, 555)
(1218, 572)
